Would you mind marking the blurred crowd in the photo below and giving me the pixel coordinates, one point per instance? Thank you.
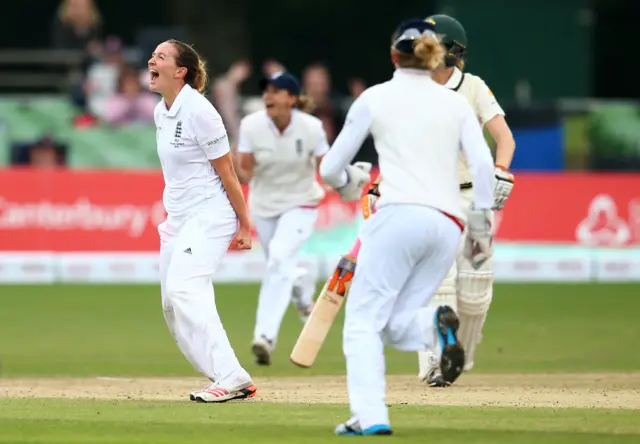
(330, 105)
(113, 89)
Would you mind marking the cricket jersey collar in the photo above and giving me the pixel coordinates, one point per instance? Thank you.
(455, 79)
(182, 96)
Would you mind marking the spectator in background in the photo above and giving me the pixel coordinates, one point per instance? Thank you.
(131, 104)
(356, 87)
(77, 26)
(226, 95)
(42, 153)
(102, 78)
(317, 85)
(271, 66)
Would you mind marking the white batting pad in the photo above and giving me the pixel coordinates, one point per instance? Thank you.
(475, 292)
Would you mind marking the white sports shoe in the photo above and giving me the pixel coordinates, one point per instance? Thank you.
(468, 366)
(192, 395)
(302, 293)
(262, 349)
(214, 393)
(352, 428)
(303, 308)
(304, 312)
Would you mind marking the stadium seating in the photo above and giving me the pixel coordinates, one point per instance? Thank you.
(615, 136)
(24, 120)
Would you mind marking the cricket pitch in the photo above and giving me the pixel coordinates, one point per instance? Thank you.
(558, 390)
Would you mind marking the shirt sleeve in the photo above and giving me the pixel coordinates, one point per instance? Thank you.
(210, 134)
(322, 147)
(355, 130)
(487, 104)
(244, 142)
(478, 156)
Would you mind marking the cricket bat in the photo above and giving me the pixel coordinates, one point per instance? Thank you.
(324, 313)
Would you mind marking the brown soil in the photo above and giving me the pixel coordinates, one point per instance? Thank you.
(612, 390)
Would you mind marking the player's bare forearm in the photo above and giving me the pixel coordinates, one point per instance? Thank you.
(505, 143)
(505, 150)
(236, 197)
(246, 163)
(325, 186)
(243, 176)
(231, 183)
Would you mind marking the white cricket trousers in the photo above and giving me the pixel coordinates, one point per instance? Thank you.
(282, 237)
(406, 252)
(191, 249)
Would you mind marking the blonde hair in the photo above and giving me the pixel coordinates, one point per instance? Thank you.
(428, 53)
(305, 104)
(189, 58)
(64, 12)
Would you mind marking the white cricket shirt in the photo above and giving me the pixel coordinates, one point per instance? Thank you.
(284, 176)
(419, 128)
(189, 135)
(481, 99)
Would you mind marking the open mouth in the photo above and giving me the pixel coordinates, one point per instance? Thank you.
(153, 75)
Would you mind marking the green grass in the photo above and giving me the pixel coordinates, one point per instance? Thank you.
(57, 421)
(119, 331)
(74, 330)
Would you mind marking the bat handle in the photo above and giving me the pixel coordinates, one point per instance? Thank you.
(355, 249)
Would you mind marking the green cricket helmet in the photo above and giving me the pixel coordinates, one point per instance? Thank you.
(453, 37)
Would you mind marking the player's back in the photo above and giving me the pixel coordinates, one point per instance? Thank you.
(416, 125)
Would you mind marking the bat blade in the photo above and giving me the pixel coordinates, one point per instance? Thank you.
(324, 313)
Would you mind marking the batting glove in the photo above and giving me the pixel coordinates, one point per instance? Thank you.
(504, 185)
(369, 201)
(358, 177)
(478, 247)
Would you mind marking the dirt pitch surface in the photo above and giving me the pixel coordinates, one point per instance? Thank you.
(610, 391)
